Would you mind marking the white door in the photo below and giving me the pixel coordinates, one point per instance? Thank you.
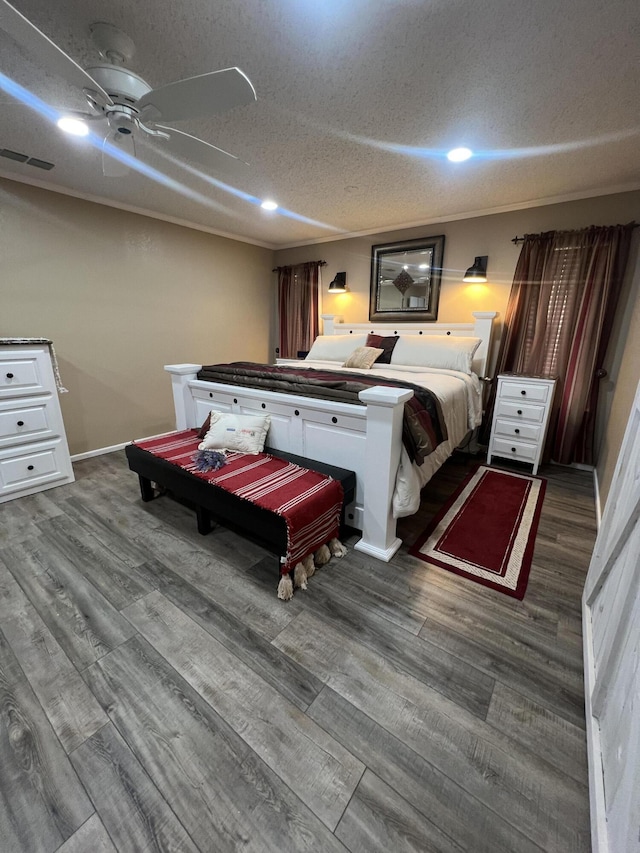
(611, 613)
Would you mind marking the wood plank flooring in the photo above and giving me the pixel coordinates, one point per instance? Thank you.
(156, 696)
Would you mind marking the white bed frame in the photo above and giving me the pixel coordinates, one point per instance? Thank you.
(365, 439)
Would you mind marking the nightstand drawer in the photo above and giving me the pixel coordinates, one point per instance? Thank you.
(514, 390)
(530, 432)
(515, 449)
(27, 420)
(27, 468)
(23, 374)
(520, 411)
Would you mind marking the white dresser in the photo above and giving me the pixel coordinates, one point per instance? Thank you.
(521, 418)
(34, 454)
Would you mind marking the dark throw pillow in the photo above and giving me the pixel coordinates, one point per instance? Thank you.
(383, 342)
(204, 429)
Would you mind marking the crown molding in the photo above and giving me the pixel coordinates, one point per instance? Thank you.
(455, 217)
(128, 208)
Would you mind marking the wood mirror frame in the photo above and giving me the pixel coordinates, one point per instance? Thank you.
(405, 279)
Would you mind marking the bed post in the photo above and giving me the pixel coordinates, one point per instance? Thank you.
(483, 327)
(181, 375)
(328, 323)
(385, 408)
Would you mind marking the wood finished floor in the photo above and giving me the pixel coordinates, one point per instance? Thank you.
(155, 694)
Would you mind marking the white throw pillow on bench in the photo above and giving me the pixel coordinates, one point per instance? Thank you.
(244, 433)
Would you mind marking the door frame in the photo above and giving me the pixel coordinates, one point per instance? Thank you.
(601, 562)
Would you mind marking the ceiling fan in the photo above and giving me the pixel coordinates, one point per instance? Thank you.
(125, 105)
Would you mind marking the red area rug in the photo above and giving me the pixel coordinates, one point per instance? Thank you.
(486, 532)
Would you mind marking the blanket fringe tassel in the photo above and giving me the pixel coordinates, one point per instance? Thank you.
(306, 568)
(285, 588)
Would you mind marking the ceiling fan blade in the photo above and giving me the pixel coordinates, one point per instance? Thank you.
(199, 96)
(43, 49)
(190, 148)
(112, 166)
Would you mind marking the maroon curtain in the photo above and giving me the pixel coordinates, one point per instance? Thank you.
(557, 324)
(298, 307)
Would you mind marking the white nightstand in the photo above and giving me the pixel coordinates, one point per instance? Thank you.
(521, 418)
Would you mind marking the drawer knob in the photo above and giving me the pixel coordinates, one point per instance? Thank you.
(334, 420)
(9, 375)
(235, 399)
(20, 423)
(29, 467)
(264, 405)
(523, 392)
(513, 450)
(517, 432)
(519, 411)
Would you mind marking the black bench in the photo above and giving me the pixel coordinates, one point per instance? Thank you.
(213, 503)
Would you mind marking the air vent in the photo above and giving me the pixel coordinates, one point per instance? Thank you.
(13, 155)
(24, 158)
(40, 164)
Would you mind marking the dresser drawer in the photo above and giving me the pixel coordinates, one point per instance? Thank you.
(514, 390)
(27, 468)
(514, 449)
(520, 411)
(26, 420)
(24, 373)
(530, 432)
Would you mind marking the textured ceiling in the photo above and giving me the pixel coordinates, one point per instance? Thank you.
(357, 102)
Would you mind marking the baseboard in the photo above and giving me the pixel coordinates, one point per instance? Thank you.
(596, 783)
(596, 491)
(100, 451)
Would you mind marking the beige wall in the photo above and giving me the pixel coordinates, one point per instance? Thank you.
(121, 295)
(491, 235)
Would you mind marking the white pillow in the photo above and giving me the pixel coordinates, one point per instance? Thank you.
(441, 351)
(244, 433)
(335, 347)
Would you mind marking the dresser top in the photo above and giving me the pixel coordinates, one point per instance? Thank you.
(528, 376)
(26, 341)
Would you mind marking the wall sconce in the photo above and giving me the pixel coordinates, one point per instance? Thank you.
(339, 284)
(477, 274)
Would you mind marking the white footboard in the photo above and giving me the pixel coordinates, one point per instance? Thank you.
(365, 439)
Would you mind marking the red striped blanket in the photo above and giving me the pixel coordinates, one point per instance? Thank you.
(309, 502)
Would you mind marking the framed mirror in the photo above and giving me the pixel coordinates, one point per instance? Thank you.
(405, 279)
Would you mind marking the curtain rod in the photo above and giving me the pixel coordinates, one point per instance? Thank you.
(318, 263)
(517, 240)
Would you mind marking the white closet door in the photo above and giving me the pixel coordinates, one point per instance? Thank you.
(611, 612)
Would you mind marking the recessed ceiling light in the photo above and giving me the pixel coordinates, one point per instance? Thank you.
(457, 155)
(74, 126)
(269, 205)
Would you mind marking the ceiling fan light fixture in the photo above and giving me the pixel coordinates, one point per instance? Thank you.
(74, 126)
(269, 205)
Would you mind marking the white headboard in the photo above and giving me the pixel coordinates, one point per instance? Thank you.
(482, 328)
